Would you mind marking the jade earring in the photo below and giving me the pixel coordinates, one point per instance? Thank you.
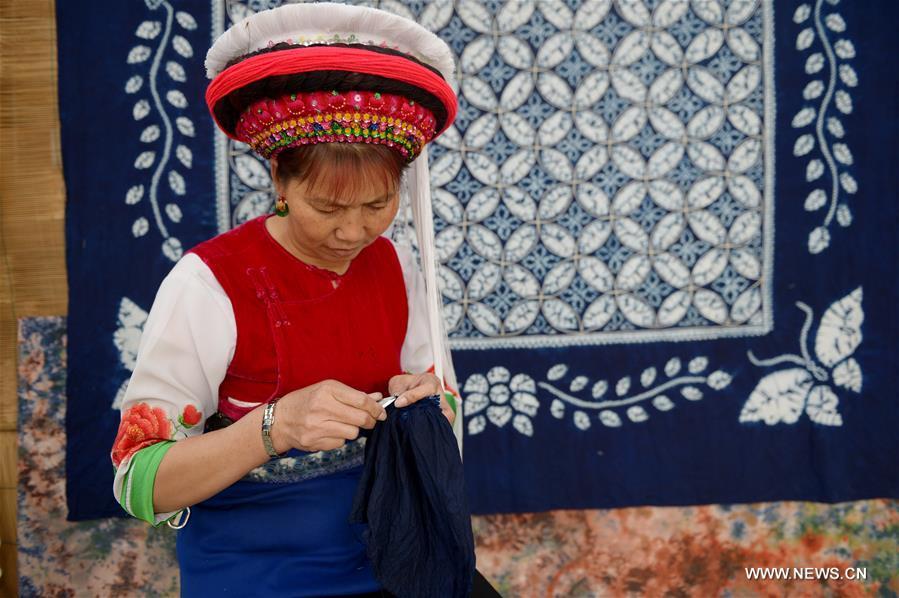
(281, 208)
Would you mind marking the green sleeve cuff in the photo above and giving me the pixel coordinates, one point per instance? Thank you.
(138, 486)
(451, 399)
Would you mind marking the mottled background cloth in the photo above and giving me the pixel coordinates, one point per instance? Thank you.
(666, 233)
(651, 551)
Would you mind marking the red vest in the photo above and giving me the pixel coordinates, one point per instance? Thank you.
(298, 324)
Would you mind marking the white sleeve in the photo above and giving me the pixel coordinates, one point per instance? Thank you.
(187, 343)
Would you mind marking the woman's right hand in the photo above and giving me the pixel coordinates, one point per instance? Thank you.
(323, 416)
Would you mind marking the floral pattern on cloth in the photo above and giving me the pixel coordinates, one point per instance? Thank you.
(607, 175)
(645, 550)
(116, 557)
(190, 417)
(143, 425)
(291, 469)
(534, 240)
(693, 551)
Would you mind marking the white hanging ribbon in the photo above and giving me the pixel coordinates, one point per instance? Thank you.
(419, 189)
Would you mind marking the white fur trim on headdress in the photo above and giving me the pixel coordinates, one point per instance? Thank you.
(330, 22)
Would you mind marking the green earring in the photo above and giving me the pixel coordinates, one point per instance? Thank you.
(281, 208)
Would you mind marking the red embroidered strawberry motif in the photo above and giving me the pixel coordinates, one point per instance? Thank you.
(190, 417)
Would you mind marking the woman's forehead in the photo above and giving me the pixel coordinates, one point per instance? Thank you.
(358, 188)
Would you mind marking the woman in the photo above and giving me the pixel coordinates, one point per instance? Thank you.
(268, 348)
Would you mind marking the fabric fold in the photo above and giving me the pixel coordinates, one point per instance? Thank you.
(412, 498)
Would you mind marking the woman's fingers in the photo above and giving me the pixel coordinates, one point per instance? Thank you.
(402, 382)
(327, 414)
(360, 401)
(338, 429)
(351, 415)
(430, 387)
(397, 384)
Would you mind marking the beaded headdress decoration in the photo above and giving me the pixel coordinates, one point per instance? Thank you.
(270, 125)
(357, 48)
(331, 65)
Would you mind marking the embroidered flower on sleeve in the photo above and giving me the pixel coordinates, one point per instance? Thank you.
(141, 426)
(190, 417)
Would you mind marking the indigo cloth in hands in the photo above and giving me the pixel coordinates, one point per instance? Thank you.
(412, 498)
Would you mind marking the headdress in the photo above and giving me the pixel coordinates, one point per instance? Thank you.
(325, 72)
(331, 62)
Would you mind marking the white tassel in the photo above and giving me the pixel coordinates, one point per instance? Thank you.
(419, 183)
(319, 22)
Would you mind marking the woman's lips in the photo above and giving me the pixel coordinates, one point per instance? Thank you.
(343, 251)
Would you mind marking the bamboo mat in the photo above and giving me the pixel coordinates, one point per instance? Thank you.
(32, 212)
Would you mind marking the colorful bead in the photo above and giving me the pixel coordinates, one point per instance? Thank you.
(387, 119)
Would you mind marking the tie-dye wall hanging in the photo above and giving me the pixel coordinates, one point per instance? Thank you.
(666, 233)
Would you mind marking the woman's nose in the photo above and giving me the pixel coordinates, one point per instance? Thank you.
(352, 228)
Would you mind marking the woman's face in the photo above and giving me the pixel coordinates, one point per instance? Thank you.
(330, 232)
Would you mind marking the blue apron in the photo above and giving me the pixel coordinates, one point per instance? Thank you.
(271, 535)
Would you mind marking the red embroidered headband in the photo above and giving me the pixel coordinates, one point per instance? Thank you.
(270, 125)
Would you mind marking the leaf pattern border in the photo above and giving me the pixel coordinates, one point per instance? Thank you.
(836, 155)
(147, 31)
(499, 397)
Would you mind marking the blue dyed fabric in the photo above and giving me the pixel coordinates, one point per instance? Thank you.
(276, 539)
(411, 498)
(666, 235)
(724, 331)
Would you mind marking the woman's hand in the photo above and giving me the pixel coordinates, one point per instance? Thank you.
(410, 388)
(323, 416)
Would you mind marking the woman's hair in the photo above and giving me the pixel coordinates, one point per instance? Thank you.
(337, 170)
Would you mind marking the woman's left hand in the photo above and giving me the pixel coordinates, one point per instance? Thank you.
(413, 387)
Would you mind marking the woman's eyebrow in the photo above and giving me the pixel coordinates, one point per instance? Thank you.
(330, 202)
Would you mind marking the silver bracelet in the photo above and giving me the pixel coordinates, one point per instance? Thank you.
(268, 420)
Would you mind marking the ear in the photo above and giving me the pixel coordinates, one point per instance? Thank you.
(273, 169)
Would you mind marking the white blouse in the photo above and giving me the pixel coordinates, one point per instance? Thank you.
(190, 336)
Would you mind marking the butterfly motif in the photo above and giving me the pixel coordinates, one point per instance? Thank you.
(783, 396)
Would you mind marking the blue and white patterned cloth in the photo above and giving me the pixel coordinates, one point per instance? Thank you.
(666, 232)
